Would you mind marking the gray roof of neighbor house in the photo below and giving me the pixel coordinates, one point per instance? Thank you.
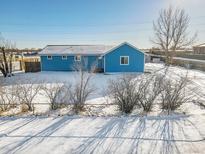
(75, 49)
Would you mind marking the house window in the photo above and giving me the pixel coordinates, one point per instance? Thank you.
(124, 60)
(49, 57)
(78, 58)
(64, 57)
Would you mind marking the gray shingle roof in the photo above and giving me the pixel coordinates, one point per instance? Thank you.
(75, 49)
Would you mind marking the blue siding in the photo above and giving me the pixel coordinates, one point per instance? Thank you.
(111, 61)
(136, 60)
(101, 62)
(58, 64)
(90, 61)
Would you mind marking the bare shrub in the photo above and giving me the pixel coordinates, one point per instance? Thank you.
(24, 108)
(8, 97)
(81, 89)
(4, 106)
(123, 92)
(141, 91)
(63, 97)
(56, 94)
(26, 93)
(148, 89)
(173, 94)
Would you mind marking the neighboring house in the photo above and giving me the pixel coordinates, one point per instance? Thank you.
(122, 58)
(199, 49)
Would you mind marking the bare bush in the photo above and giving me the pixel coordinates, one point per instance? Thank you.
(26, 93)
(123, 92)
(148, 89)
(3, 103)
(81, 89)
(24, 108)
(64, 95)
(8, 97)
(56, 94)
(140, 91)
(173, 94)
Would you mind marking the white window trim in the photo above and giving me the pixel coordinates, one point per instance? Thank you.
(76, 59)
(64, 57)
(49, 58)
(128, 61)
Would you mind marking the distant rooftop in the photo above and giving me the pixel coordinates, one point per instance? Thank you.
(75, 49)
(200, 45)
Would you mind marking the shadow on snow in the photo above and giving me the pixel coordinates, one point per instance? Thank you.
(159, 133)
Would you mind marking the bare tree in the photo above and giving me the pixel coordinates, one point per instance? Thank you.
(171, 31)
(81, 89)
(123, 92)
(7, 49)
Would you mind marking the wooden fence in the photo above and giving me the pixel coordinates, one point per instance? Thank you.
(32, 67)
(190, 63)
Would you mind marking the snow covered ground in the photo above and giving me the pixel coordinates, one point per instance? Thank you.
(74, 134)
(153, 133)
(196, 77)
(100, 81)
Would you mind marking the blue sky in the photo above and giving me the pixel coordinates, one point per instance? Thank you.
(36, 23)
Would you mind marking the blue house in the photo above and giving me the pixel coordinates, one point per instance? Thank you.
(122, 58)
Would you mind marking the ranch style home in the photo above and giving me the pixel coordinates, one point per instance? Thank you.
(122, 58)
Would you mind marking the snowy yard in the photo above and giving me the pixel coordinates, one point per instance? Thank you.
(73, 134)
(100, 81)
(107, 131)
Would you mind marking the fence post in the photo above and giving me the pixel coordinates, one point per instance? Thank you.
(33, 109)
